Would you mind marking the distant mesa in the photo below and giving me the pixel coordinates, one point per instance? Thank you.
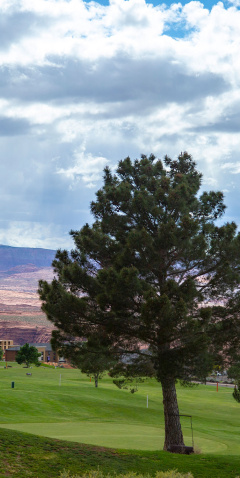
(19, 270)
(21, 318)
(21, 332)
(12, 258)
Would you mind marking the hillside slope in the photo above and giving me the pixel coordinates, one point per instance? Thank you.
(21, 318)
(16, 256)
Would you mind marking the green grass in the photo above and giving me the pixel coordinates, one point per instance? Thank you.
(23, 455)
(70, 408)
(76, 410)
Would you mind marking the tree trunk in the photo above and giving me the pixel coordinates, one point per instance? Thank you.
(96, 380)
(173, 430)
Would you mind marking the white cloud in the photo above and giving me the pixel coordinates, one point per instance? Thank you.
(233, 168)
(86, 168)
(33, 234)
(89, 84)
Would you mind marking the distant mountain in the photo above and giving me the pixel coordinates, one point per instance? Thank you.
(21, 318)
(11, 257)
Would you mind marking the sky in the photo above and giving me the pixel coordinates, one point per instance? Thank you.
(85, 84)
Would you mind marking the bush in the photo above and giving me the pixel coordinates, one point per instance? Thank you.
(99, 474)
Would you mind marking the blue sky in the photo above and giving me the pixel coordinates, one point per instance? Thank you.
(85, 84)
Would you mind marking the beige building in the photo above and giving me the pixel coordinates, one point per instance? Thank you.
(5, 344)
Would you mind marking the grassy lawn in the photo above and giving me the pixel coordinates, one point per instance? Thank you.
(64, 404)
(23, 455)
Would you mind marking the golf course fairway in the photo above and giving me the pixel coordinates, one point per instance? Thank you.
(64, 404)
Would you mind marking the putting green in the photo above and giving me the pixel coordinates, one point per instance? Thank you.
(113, 435)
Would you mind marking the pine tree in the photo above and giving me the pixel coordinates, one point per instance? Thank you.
(153, 271)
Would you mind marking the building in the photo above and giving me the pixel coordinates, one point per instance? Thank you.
(5, 344)
(47, 354)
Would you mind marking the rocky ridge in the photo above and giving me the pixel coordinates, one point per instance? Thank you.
(21, 318)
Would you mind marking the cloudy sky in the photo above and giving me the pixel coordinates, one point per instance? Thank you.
(85, 84)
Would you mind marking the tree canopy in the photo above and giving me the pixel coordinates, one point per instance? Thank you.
(91, 356)
(156, 272)
(28, 354)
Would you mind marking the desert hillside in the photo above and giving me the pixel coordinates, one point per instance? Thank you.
(21, 318)
(16, 256)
